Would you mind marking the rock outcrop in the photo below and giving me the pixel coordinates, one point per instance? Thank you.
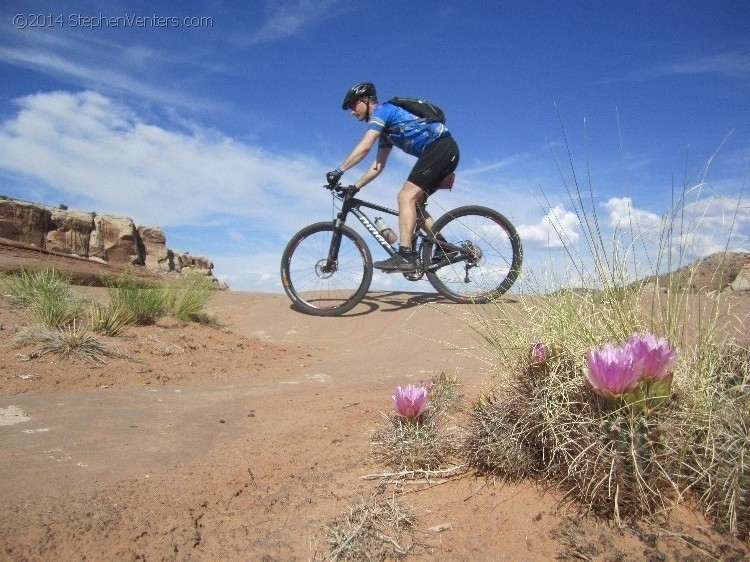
(154, 249)
(717, 272)
(102, 238)
(115, 240)
(69, 232)
(742, 281)
(24, 222)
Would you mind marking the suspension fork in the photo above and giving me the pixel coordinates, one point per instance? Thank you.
(333, 250)
(338, 224)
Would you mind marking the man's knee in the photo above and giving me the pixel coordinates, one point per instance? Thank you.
(410, 193)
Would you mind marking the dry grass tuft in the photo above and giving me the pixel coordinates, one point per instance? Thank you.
(443, 392)
(71, 341)
(373, 530)
(715, 421)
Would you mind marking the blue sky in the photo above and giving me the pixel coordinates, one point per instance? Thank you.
(221, 133)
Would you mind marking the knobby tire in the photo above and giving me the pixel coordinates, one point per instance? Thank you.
(321, 293)
(494, 273)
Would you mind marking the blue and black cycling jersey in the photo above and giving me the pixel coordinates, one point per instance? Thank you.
(400, 128)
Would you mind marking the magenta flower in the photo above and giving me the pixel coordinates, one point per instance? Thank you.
(539, 354)
(410, 401)
(653, 357)
(612, 371)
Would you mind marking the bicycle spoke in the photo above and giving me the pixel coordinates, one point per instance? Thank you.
(489, 249)
(321, 287)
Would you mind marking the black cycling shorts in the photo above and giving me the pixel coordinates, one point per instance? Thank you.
(437, 162)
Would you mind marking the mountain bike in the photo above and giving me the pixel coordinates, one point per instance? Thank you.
(471, 254)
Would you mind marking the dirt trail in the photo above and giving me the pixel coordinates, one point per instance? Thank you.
(245, 442)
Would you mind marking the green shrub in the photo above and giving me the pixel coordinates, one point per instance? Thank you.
(145, 301)
(46, 296)
(110, 320)
(188, 295)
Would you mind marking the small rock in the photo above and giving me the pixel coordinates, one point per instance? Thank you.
(440, 528)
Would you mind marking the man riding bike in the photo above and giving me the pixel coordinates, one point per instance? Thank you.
(431, 142)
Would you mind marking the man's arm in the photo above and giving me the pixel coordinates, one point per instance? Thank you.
(376, 168)
(361, 150)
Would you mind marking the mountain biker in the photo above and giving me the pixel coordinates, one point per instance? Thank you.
(433, 145)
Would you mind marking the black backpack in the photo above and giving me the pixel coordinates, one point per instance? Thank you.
(421, 108)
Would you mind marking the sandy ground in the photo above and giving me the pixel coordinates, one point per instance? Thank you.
(249, 440)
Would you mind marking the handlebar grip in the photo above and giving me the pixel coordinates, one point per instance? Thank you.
(338, 188)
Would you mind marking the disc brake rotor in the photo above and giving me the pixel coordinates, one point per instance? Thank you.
(324, 271)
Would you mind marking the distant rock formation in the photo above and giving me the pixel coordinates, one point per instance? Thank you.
(102, 238)
(717, 272)
(742, 281)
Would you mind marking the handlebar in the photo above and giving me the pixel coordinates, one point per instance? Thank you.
(342, 189)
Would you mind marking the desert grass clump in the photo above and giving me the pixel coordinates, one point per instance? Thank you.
(146, 301)
(515, 429)
(187, 297)
(621, 443)
(500, 441)
(110, 320)
(716, 414)
(73, 340)
(45, 295)
(416, 438)
(443, 392)
(373, 530)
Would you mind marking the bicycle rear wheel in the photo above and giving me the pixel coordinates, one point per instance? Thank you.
(490, 257)
(313, 287)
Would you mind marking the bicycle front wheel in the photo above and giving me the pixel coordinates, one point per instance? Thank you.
(318, 285)
(489, 261)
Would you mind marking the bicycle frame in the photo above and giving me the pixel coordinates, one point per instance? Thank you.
(353, 205)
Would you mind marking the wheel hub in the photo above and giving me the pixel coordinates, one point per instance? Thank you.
(475, 253)
(324, 270)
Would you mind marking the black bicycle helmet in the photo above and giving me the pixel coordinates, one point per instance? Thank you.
(361, 90)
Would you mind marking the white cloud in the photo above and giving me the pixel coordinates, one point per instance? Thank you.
(501, 164)
(622, 215)
(86, 60)
(730, 64)
(558, 228)
(286, 19)
(714, 224)
(256, 271)
(100, 153)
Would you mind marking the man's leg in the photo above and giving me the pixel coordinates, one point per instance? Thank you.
(408, 198)
(405, 260)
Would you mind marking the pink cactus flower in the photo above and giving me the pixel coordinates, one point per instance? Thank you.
(612, 371)
(652, 357)
(539, 354)
(410, 401)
